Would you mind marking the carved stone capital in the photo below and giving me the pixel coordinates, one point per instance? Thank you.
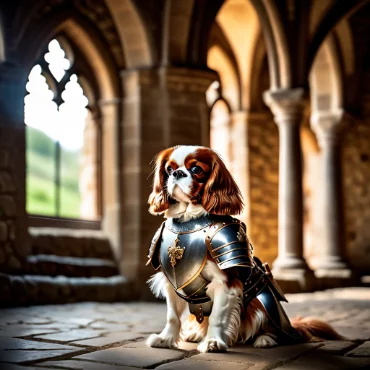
(286, 104)
(328, 126)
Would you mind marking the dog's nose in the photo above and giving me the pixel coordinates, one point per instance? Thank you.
(178, 174)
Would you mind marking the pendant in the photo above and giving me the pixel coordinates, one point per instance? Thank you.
(175, 252)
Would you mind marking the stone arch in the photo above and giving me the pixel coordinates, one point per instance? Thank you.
(85, 38)
(276, 44)
(220, 62)
(260, 76)
(241, 26)
(178, 27)
(344, 37)
(132, 32)
(326, 80)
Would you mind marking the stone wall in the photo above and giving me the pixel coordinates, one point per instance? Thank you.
(13, 225)
(263, 138)
(356, 176)
(8, 211)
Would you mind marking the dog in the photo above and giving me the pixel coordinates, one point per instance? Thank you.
(206, 265)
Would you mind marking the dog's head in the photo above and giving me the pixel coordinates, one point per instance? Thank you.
(194, 175)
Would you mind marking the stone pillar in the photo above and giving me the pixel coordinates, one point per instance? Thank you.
(89, 184)
(111, 176)
(331, 263)
(14, 243)
(287, 105)
(161, 108)
(239, 158)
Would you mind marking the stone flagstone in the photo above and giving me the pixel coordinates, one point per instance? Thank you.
(322, 361)
(82, 365)
(23, 331)
(138, 357)
(108, 339)
(215, 365)
(363, 350)
(20, 356)
(20, 344)
(126, 349)
(73, 335)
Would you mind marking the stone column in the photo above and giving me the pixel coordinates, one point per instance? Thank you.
(161, 108)
(111, 176)
(239, 158)
(287, 106)
(14, 242)
(331, 263)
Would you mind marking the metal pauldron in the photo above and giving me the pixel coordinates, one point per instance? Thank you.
(228, 244)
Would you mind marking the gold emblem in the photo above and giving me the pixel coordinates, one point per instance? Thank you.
(242, 236)
(175, 252)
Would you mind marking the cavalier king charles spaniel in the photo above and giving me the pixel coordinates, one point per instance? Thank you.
(206, 263)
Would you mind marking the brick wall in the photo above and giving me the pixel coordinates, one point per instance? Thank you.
(263, 141)
(356, 176)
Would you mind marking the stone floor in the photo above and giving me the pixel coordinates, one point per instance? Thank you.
(111, 337)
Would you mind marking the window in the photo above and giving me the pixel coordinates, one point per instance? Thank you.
(61, 139)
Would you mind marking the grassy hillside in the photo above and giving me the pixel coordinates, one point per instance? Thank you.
(41, 177)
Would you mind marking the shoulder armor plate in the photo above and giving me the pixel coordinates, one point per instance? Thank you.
(152, 256)
(228, 244)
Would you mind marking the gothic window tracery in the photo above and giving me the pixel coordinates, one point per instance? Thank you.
(61, 141)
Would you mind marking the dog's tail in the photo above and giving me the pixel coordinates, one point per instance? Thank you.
(313, 329)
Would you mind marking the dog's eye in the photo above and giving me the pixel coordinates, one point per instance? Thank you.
(196, 170)
(169, 170)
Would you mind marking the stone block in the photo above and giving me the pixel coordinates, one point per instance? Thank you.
(22, 344)
(137, 357)
(8, 207)
(14, 263)
(82, 365)
(109, 339)
(216, 365)
(361, 351)
(2, 256)
(336, 346)
(11, 229)
(72, 335)
(20, 356)
(19, 331)
(322, 360)
(3, 231)
(4, 158)
(6, 182)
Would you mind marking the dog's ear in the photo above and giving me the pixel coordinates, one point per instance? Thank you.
(221, 195)
(159, 198)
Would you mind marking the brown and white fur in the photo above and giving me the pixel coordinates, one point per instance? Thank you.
(190, 182)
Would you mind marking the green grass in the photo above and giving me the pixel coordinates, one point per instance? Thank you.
(41, 198)
(41, 175)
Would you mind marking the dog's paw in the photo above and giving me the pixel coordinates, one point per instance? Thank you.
(192, 337)
(265, 341)
(158, 341)
(212, 345)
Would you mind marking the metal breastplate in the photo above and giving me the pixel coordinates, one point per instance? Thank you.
(182, 256)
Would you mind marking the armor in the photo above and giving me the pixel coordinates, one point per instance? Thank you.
(181, 250)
